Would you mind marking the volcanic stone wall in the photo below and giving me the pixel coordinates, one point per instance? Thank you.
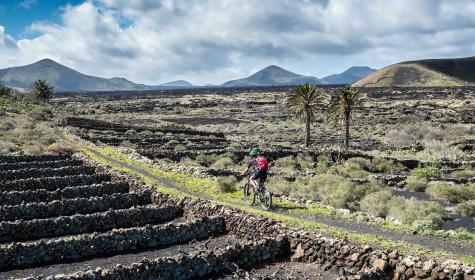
(190, 266)
(120, 240)
(42, 195)
(72, 206)
(53, 183)
(97, 222)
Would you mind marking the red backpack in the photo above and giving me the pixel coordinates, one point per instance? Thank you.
(262, 163)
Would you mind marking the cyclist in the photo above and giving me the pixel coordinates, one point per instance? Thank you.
(257, 168)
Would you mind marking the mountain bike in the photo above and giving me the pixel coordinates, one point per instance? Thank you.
(262, 194)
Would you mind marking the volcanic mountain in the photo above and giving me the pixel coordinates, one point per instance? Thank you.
(427, 72)
(349, 76)
(67, 79)
(273, 76)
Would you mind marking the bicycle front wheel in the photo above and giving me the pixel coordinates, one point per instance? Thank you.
(265, 198)
(249, 196)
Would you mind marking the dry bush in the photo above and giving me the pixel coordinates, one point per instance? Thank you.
(464, 173)
(450, 192)
(226, 184)
(416, 184)
(282, 186)
(62, 147)
(413, 210)
(466, 208)
(377, 203)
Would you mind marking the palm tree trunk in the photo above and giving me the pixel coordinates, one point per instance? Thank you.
(307, 128)
(347, 130)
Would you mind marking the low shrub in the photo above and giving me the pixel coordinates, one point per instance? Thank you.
(206, 160)
(330, 189)
(426, 172)
(305, 162)
(352, 168)
(61, 147)
(383, 165)
(466, 208)
(377, 203)
(361, 190)
(285, 164)
(451, 193)
(464, 173)
(411, 210)
(281, 186)
(226, 184)
(224, 163)
(416, 184)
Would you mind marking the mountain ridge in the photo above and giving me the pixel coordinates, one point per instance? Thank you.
(67, 79)
(349, 76)
(272, 75)
(423, 73)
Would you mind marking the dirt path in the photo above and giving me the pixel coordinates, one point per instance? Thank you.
(432, 243)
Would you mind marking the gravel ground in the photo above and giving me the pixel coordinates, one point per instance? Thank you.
(282, 269)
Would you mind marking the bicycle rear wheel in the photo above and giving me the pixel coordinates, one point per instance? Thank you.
(265, 198)
(249, 195)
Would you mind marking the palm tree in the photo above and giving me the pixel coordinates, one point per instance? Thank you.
(343, 105)
(302, 102)
(43, 90)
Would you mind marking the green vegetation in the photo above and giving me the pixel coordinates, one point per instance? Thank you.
(415, 212)
(466, 208)
(426, 172)
(226, 184)
(342, 107)
(302, 102)
(26, 126)
(377, 203)
(464, 173)
(451, 193)
(416, 184)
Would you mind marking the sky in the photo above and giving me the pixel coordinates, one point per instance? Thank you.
(212, 41)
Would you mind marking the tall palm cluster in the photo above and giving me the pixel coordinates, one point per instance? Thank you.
(305, 100)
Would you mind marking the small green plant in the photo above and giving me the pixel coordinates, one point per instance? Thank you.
(416, 146)
(426, 172)
(226, 184)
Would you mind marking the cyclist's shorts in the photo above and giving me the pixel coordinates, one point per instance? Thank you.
(259, 174)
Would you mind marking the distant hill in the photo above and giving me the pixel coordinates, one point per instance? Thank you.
(63, 78)
(273, 76)
(179, 83)
(427, 72)
(67, 79)
(349, 76)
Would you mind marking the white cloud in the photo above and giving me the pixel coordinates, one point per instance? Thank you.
(27, 4)
(210, 41)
